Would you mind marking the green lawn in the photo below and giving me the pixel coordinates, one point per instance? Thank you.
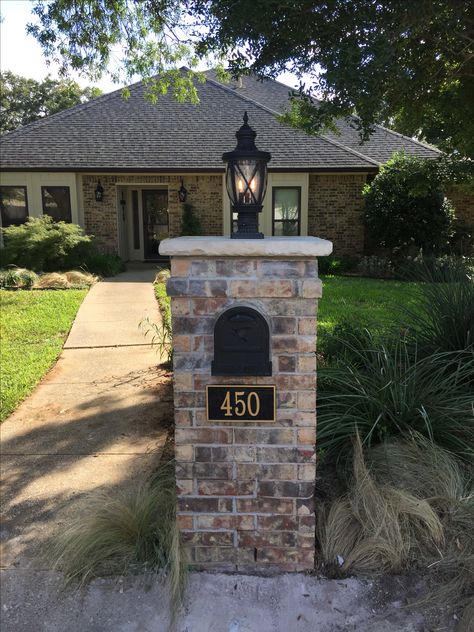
(33, 327)
(370, 302)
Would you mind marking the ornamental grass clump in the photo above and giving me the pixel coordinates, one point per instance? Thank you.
(131, 531)
(17, 278)
(385, 390)
(375, 528)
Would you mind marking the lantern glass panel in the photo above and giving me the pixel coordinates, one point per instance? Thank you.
(246, 181)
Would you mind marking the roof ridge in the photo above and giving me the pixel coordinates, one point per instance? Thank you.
(275, 113)
(413, 140)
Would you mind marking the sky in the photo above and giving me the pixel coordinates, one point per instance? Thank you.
(21, 54)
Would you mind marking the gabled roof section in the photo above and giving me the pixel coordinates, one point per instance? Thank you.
(379, 147)
(111, 133)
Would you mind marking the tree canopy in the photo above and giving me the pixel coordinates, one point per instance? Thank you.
(407, 64)
(23, 100)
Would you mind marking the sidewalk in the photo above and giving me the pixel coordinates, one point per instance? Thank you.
(96, 421)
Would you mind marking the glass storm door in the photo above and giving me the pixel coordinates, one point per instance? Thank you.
(155, 221)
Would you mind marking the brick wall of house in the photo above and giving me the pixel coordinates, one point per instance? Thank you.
(463, 202)
(335, 211)
(100, 218)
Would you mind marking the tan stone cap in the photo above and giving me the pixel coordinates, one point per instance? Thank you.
(304, 247)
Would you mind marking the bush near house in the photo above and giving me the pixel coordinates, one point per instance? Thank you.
(405, 208)
(43, 245)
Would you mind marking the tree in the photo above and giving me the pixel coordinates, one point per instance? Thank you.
(409, 64)
(23, 100)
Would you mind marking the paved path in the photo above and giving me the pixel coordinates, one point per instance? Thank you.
(95, 421)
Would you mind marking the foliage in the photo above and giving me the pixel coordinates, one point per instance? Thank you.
(444, 316)
(41, 244)
(376, 528)
(405, 496)
(336, 265)
(410, 66)
(161, 333)
(385, 390)
(405, 208)
(18, 278)
(429, 269)
(47, 246)
(132, 530)
(23, 101)
(34, 326)
(105, 265)
(190, 224)
(377, 267)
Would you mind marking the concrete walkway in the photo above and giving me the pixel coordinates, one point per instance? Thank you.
(97, 420)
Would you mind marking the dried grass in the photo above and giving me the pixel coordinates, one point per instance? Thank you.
(52, 281)
(128, 532)
(81, 279)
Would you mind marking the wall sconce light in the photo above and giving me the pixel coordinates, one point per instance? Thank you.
(182, 193)
(99, 192)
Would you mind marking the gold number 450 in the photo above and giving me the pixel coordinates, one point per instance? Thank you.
(241, 406)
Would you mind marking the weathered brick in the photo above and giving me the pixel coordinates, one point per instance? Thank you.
(229, 268)
(203, 267)
(307, 400)
(180, 307)
(296, 382)
(265, 505)
(208, 538)
(176, 286)
(184, 486)
(215, 554)
(302, 344)
(186, 325)
(266, 538)
(306, 363)
(188, 504)
(281, 269)
(251, 289)
(214, 288)
(180, 267)
(277, 523)
(307, 326)
(223, 521)
(183, 452)
(306, 472)
(218, 471)
(184, 522)
(203, 435)
(183, 417)
(311, 288)
(182, 343)
(283, 325)
(286, 363)
(206, 306)
(183, 381)
(264, 472)
(307, 435)
(225, 488)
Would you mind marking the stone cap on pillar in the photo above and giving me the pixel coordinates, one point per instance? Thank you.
(292, 247)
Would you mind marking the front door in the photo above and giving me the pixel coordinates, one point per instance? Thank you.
(155, 221)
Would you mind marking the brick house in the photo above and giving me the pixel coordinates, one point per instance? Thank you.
(140, 154)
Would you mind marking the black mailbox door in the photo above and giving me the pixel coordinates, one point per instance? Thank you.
(241, 343)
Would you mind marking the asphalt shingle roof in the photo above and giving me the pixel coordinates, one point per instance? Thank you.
(112, 133)
(379, 147)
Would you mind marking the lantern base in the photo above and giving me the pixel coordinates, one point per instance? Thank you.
(238, 235)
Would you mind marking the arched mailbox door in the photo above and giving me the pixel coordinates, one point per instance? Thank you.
(241, 343)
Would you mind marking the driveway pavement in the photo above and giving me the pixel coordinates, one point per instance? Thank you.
(96, 421)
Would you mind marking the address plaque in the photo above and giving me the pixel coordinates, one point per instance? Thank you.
(237, 403)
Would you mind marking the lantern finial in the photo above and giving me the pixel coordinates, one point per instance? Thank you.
(246, 117)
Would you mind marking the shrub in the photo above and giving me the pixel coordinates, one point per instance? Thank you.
(44, 245)
(19, 278)
(190, 224)
(385, 390)
(65, 280)
(103, 264)
(336, 265)
(405, 208)
(447, 268)
(377, 267)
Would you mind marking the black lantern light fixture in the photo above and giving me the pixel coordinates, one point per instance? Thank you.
(182, 193)
(99, 192)
(246, 181)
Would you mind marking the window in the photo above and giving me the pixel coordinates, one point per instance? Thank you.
(57, 203)
(286, 211)
(13, 205)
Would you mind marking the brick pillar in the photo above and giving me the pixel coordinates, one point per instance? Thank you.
(245, 490)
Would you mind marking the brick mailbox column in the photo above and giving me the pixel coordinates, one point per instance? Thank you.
(245, 488)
